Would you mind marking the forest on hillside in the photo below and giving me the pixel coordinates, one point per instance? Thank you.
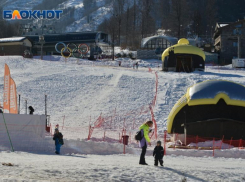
(180, 18)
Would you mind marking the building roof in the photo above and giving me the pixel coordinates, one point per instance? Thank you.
(183, 47)
(12, 39)
(209, 92)
(67, 37)
(172, 40)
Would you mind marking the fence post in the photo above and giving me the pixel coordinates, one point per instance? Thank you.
(213, 146)
(240, 144)
(197, 142)
(111, 123)
(19, 105)
(46, 105)
(130, 137)
(221, 143)
(164, 141)
(124, 147)
(89, 129)
(104, 135)
(26, 105)
(230, 142)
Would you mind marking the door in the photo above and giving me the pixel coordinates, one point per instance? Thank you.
(184, 64)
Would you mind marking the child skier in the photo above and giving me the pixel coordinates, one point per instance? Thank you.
(58, 137)
(158, 153)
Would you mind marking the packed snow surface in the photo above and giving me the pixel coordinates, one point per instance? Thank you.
(73, 167)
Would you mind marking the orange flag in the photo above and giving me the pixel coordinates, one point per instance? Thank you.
(13, 97)
(6, 92)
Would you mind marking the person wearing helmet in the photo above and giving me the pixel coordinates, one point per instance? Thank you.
(58, 138)
(158, 153)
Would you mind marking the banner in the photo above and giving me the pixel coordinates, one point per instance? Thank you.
(9, 93)
(6, 91)
(13, 97)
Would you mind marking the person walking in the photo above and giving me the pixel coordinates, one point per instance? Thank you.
(58, 138)
(144, 129)
(158, 154)
(137, 65)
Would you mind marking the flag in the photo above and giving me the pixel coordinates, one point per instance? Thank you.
(6, 91)
(13, 97)
(9, 93)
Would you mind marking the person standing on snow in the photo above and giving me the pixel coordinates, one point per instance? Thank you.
(31, 110)
(137, 65)
(58, 137)
(144, 129)
(158, 153)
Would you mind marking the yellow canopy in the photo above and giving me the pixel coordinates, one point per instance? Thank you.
(183, 47)
(186, 100)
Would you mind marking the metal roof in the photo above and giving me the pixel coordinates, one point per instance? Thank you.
(172, 40)
(12, 39)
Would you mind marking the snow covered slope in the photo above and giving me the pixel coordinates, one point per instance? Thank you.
(81, 91)
(102, 11)
(89, 88)
(20, 4)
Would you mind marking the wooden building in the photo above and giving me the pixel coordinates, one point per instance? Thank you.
(15, 46)
(230, 41)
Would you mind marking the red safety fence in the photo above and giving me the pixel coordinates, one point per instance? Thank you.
(104, 122)
(200, 143)
(189, 139)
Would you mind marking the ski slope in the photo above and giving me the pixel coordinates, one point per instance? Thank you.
(78, 90)
(84, 90)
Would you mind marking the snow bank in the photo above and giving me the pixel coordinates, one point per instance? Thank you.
(216, 144)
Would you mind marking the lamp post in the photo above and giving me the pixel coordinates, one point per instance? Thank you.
(41, 41)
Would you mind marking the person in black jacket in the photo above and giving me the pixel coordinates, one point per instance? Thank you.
(31, 110)
(158, 153)
(58, 137)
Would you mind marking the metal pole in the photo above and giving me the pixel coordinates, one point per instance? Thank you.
(46, 105)
(19, 105)
(26, 105)
(239, 46)
(41, 51)
(185, 130)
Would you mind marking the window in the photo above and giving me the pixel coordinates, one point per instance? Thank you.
(153, 41)
(235, 44)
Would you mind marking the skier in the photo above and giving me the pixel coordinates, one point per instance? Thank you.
(158, 153)
(58, 137)
(144, 129)
(31, 110)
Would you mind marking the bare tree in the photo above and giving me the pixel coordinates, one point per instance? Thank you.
(118, 11)
(178, 16)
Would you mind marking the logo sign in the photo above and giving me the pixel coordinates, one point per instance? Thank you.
(31, 14)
